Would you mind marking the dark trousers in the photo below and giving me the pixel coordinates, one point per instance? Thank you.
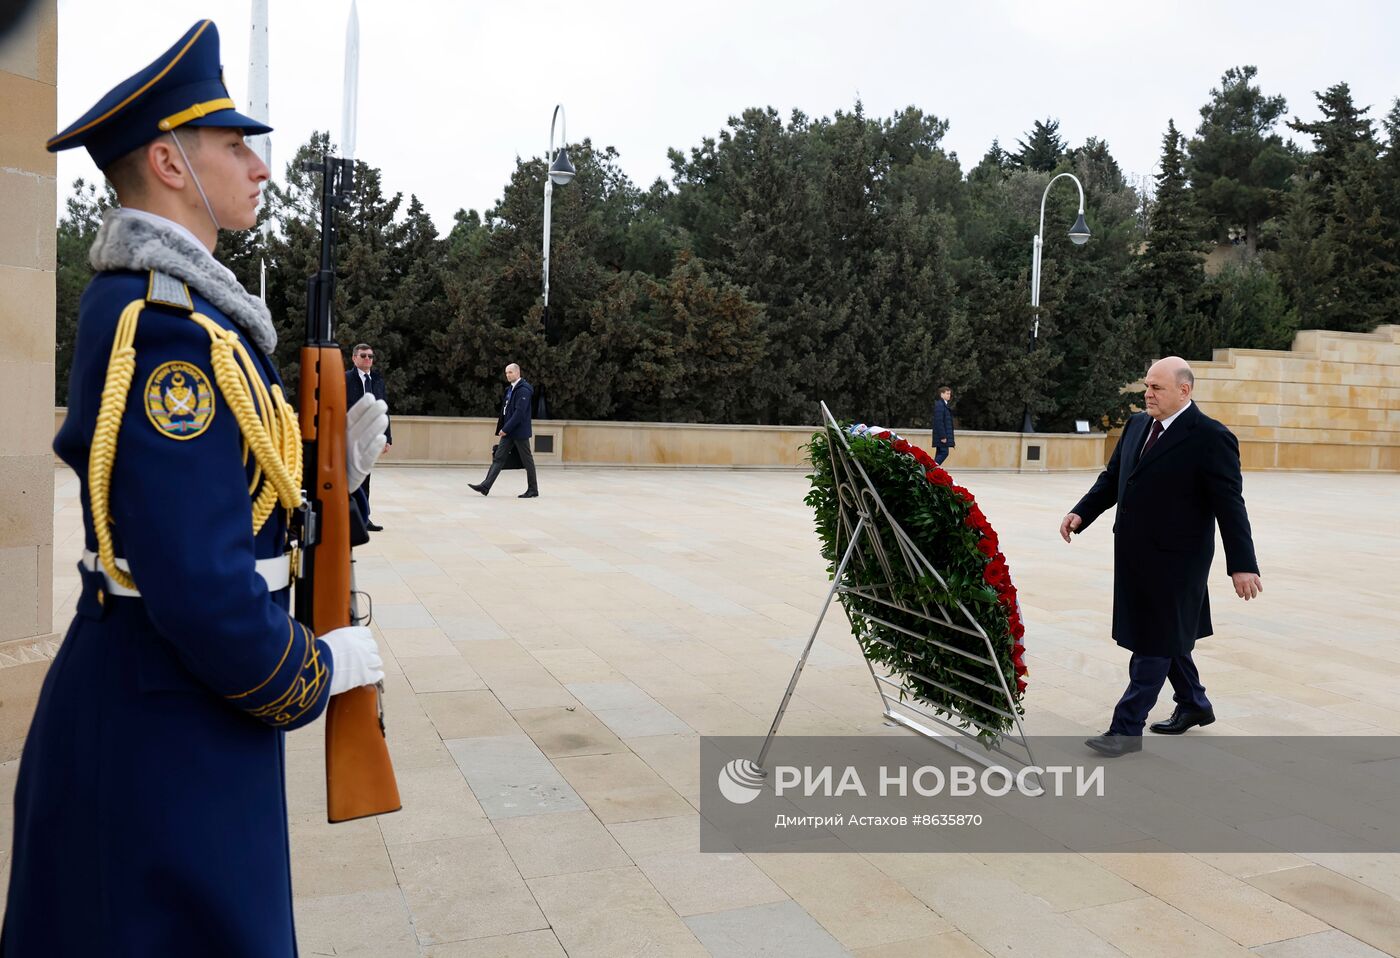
(940, 453)
(527, 459)
(1146, 673)
(361, 496)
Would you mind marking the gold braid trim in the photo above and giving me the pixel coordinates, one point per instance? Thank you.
(270, 428)
(120, 368)
(268, 423)
(302, 693)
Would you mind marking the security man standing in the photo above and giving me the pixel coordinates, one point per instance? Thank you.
(150, 795)
(360, 380)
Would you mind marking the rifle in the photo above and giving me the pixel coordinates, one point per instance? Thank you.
(359, 775)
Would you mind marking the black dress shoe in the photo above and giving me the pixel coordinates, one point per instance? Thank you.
(481, 489)
(1183, 719)
(372, 527)
(1113, 745)
(527, 494)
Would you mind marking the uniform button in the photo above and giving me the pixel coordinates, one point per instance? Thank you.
(101, 596)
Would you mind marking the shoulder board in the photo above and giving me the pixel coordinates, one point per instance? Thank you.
(162, 289)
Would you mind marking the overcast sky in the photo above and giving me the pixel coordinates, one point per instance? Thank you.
(452, 92)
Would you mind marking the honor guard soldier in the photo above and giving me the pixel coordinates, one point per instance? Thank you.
(150, 816)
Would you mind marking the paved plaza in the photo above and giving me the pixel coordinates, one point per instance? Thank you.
(553, 662)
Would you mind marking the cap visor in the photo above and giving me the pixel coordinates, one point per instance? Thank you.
(231, 120)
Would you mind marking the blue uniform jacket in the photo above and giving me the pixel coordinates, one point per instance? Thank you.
(151, 790)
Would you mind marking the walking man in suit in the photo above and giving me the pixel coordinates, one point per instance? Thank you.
(943, 438)
(513, 430)
(359, 381)
(1174, 476)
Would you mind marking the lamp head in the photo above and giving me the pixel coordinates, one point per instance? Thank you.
(561, 171)
(1079, 232)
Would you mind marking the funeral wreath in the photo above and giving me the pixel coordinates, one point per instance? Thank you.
(947, 526)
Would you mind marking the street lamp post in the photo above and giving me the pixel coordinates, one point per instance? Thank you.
(1079, 235)
(561, 171)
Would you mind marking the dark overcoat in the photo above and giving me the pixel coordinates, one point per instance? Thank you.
(1169, 503)
(943, 423)
(515, 419)
(150, 815)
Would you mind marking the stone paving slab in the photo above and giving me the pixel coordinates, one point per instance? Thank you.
(510, 776)
(765, 931)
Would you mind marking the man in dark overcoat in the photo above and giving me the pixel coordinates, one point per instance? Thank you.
(513, 431)
(1174, 476)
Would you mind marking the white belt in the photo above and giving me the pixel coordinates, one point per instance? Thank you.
(277, 573)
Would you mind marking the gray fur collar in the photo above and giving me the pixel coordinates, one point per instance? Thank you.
(131, 239)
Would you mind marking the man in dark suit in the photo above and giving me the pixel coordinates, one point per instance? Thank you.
(514, 432)
(358, 381)
(1174, 476)
(943, 438)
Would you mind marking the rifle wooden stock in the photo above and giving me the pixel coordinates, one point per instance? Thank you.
(359, 775)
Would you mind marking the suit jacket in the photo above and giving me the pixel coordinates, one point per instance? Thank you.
(1169, 503)
(943, 422)
(515, 411)
(355, 388)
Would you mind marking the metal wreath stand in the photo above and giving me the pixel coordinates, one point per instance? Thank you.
(861, 513)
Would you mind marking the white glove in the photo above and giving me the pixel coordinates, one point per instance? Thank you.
(355, 658)
(365, 423)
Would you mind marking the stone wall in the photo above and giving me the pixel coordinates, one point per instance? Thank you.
(1332, 402)
(28, 197)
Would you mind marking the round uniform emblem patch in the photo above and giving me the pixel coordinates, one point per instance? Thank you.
(179, 400)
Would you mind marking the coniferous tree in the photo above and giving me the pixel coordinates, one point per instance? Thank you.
(1169, 274)
(77, 228)
(1238, 165)
(1342, 180)
(1042, 148)
(1304, 262)
(1388, 188)
(1343, 128)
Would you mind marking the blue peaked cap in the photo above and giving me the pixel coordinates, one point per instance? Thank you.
(183, 87)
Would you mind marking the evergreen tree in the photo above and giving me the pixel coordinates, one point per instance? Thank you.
(1169, 274)
(1248, 310)
(1304, 262)
(995, 164)
(1097, 169)
(1341, 184)
(1388, 189)
(1238, 165)
(1042, 148)
(1343, 128)
(1362, 243)
(77, 228)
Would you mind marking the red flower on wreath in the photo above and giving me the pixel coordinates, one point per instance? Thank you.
(996, 573)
